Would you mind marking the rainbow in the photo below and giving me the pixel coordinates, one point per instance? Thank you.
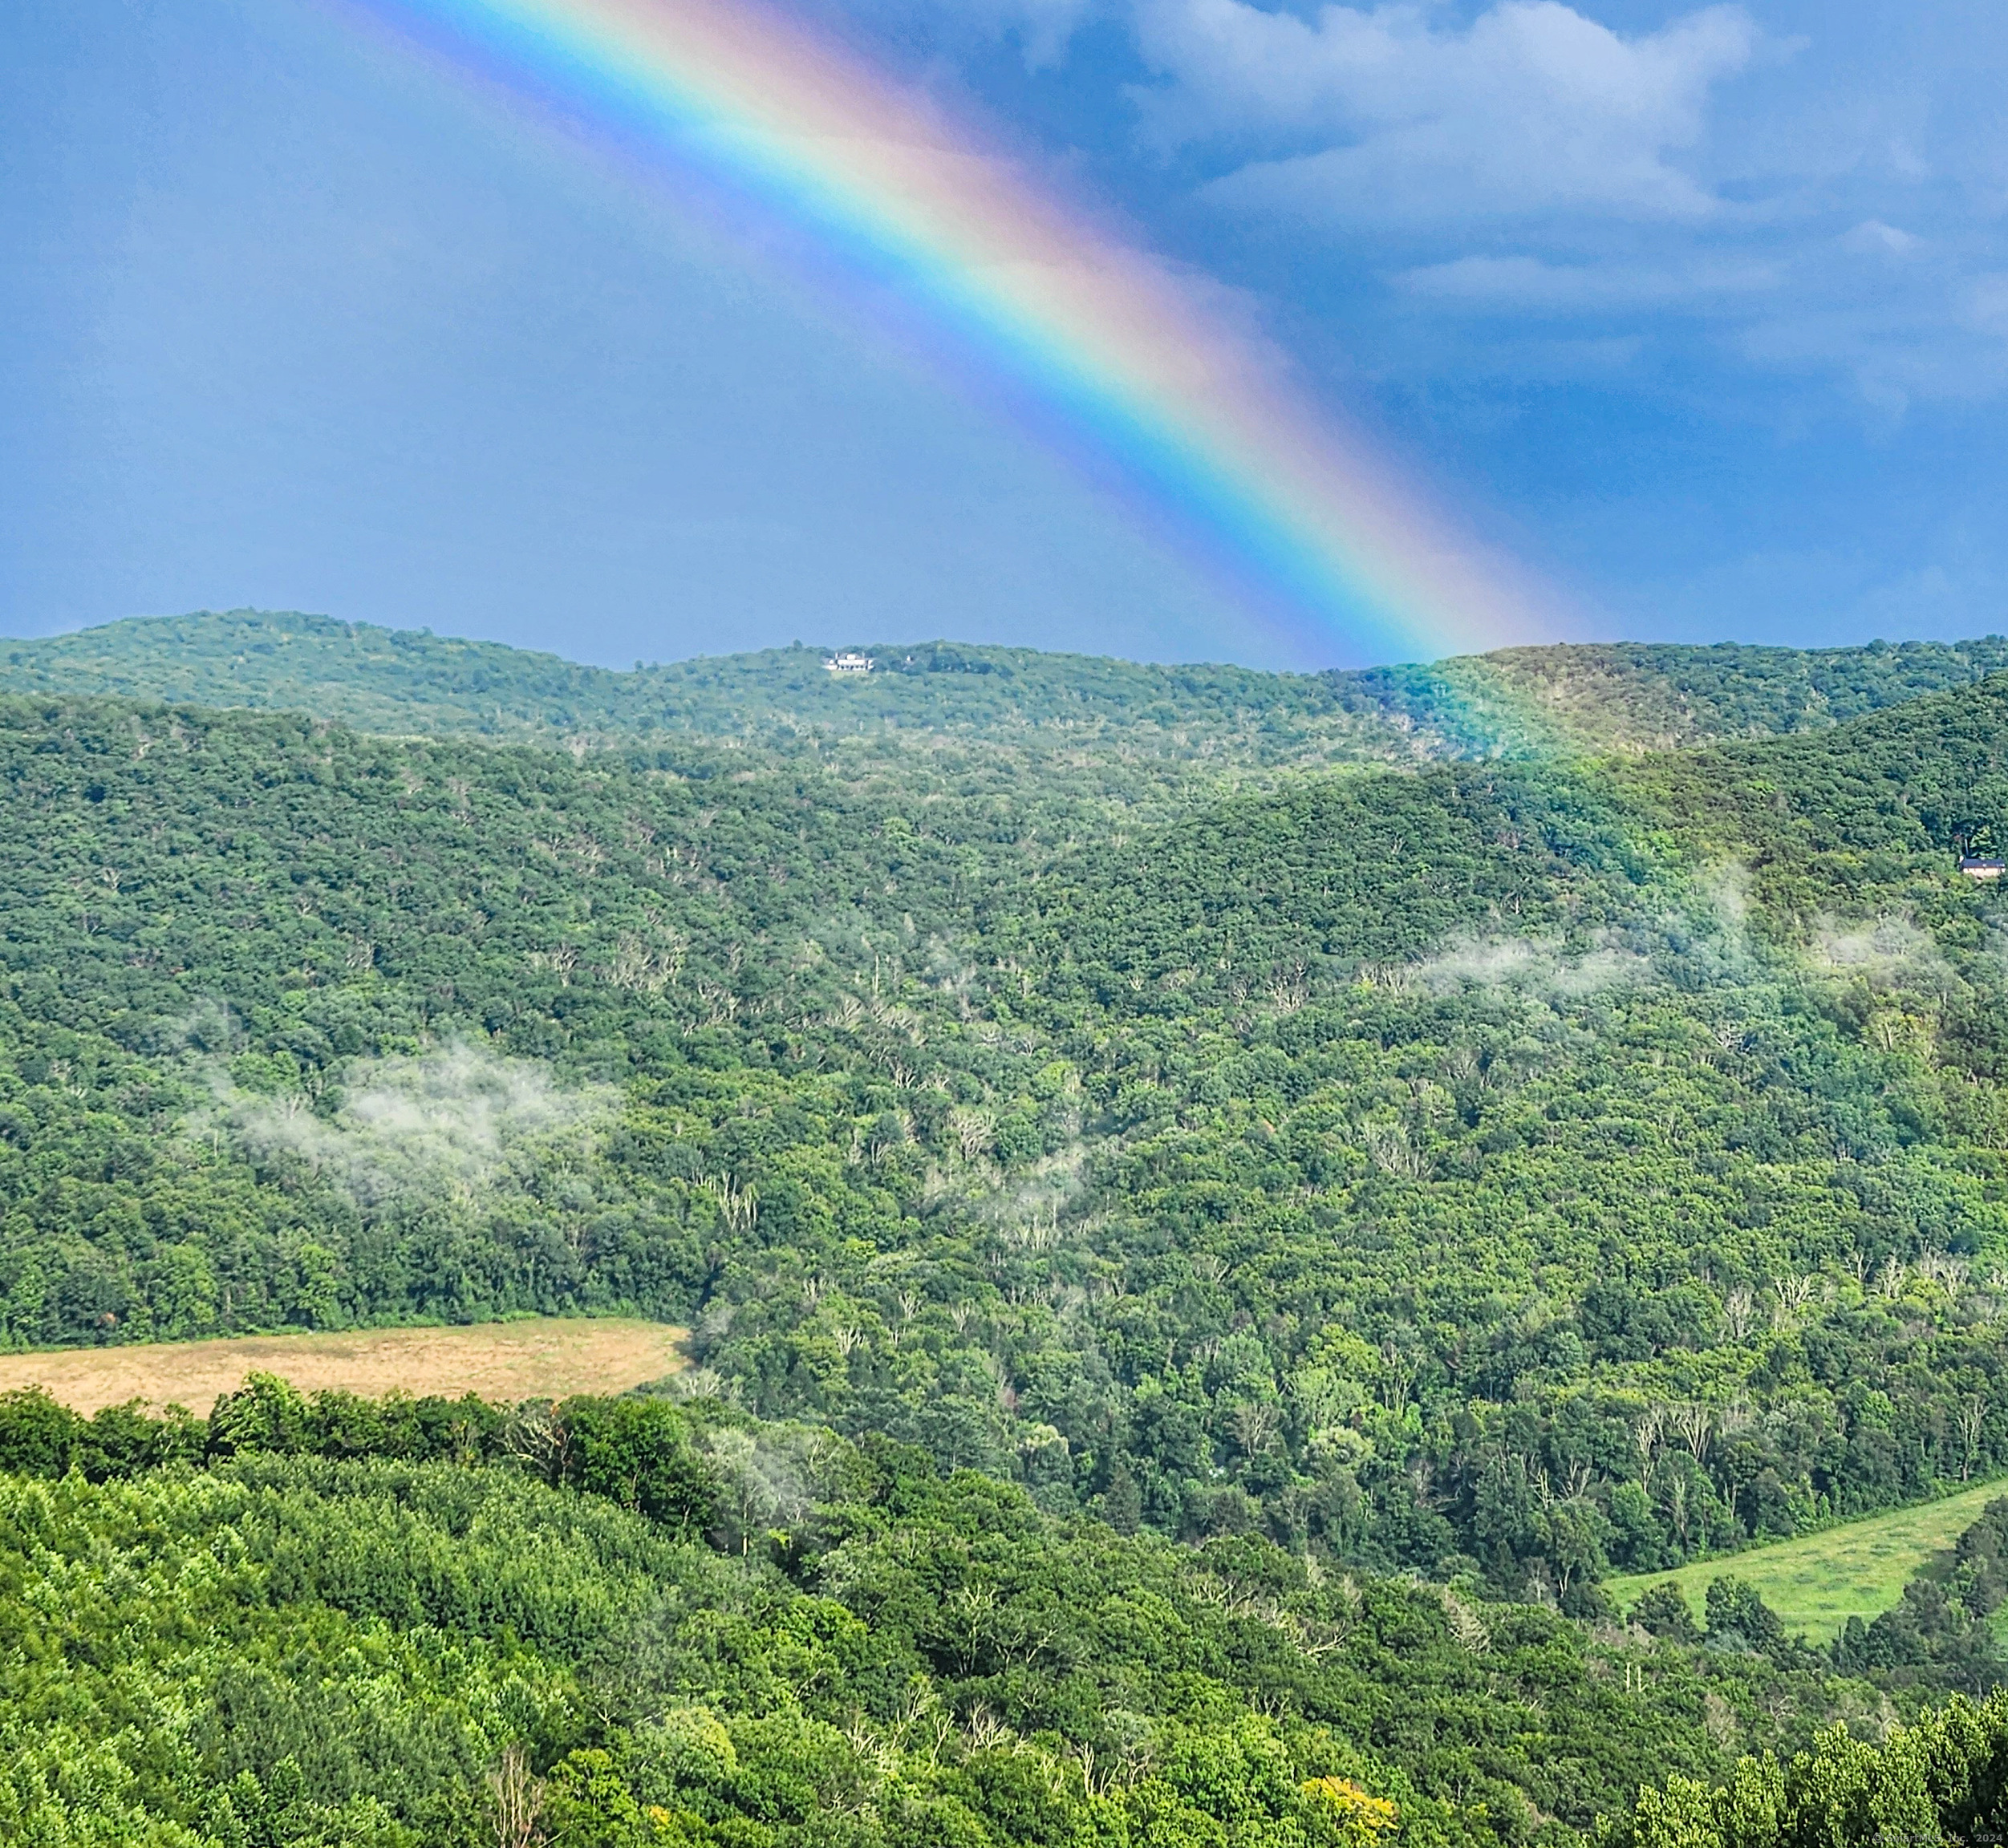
(1202, 416)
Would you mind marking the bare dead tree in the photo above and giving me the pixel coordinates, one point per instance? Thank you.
(1645, 1436)
(1695, 1425)
(1793, 1294)
(1973, 1421)
(518, 1796)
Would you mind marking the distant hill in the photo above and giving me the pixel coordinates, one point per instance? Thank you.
(1866, 819)
(1516, 702)
(400, 681)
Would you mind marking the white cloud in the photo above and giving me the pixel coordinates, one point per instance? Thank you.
(1486, 283)
(1531, 108)
(1897, 349)
(1873, 238)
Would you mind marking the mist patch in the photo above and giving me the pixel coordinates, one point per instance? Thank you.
(453, 1123)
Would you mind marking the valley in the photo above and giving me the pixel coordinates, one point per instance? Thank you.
(1349, 1180)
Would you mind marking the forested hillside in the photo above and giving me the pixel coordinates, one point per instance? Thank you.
(624, 1623)
(1543, 1169)
(1229, 719)
(1257, 1186)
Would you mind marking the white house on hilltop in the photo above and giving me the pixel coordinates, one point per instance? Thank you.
(848, 664)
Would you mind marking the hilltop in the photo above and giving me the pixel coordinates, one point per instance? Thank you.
(1513, 703)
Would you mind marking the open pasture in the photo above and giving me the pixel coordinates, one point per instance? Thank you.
(537, 1358)
(1816, 1583)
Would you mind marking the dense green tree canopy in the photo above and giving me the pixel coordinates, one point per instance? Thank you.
(1505, 1167)
(335, 1620)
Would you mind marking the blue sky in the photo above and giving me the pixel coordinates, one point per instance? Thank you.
(1702, 311)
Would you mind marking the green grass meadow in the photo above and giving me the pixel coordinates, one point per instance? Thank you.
(1817, 1582)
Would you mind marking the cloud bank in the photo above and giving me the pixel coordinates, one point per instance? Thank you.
(1533, 107)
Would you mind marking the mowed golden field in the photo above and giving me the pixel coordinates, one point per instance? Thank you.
(543, 1357)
